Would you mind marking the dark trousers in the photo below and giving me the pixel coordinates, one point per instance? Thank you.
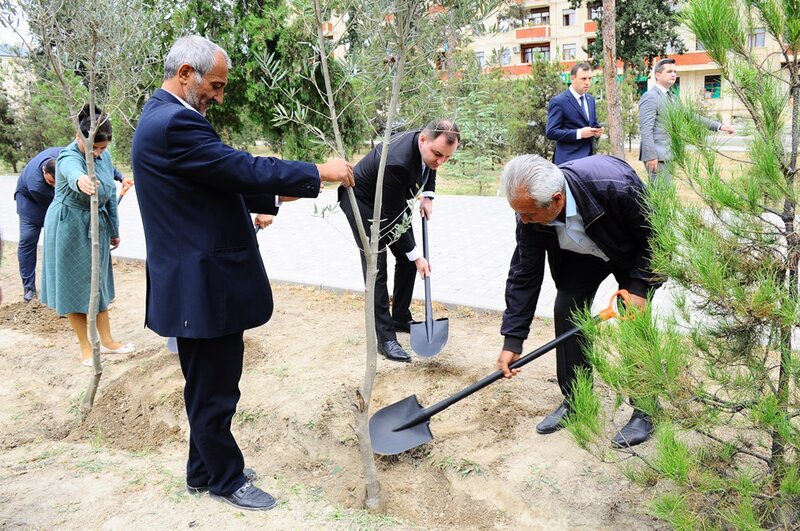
(404, 275)
(26, 252)
(579, 276)
(212, 369)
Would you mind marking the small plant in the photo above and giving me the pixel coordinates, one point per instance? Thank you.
(97, 440)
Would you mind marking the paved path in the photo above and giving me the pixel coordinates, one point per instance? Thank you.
(471, 242)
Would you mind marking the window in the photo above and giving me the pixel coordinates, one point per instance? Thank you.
(595, 11)
(480, 57)
(505, 59)
(712, 85)
(570, 17)
(538, 17)
(532, 52)
(588, 50)
(699, 46)
(568, 52)
(756, 39)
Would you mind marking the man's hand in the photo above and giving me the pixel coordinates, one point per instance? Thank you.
(115, 243)
(505, 358)
(423, 267)
(127, 182)
(727, 128)
(86, 185)
(651, 165)
(589, 132)
(640, 303)
(263, 220)
(336, 171)
(598, 132)
(426, 207)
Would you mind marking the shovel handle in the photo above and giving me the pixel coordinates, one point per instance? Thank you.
(428, 412)
(125, 187)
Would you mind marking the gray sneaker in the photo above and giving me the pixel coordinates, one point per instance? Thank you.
(249, 497)
(249, 475)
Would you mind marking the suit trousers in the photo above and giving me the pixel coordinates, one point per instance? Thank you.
(404, 276)
(26, 252)
(212, 369)
(579, 276)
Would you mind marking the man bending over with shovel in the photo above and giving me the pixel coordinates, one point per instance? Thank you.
(587, 216)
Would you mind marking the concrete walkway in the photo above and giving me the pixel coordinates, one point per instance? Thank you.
(471, 243)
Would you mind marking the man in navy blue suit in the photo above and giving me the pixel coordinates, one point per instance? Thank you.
(34, 193)
(206, 281)
(572, 118)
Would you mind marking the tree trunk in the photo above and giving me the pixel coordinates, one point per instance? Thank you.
(608, 27)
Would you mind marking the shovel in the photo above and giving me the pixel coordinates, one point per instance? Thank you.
(428, 337)
(124, 190)
(172, 343)
(405, 424)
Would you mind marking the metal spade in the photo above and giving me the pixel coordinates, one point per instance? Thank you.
(428, 337)
(406, 424)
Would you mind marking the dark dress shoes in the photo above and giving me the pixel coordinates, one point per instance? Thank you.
(400, 326)
(249, 475)
(636, 431)
(249, 497)
(29, 295)
(391, 350)
(553, 421)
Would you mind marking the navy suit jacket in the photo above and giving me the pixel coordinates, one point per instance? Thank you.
(33, 194)
(402, 181)
(205, 276)
(564, 117)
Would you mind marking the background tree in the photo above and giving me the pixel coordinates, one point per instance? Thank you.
(645, 30)
(721, 375)
(529, 119)
(10, 146)
(95, 50)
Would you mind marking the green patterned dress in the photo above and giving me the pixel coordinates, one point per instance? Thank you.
(67, 254)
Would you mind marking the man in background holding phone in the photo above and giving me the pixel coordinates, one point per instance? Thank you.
(572, 118)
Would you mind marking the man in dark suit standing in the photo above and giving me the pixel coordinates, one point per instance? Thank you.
(572, 118)
(206, 282)
(411, 166)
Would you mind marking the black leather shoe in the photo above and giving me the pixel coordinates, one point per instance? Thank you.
(636, 431)
(249, 497)
(30, 294)
(249, 475)
(391, 350)
(552, 422)
(400, 326)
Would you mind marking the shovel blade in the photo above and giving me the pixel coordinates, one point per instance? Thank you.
(385, 440)
(420, 343)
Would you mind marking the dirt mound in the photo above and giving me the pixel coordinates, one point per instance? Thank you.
(141, 410)
(32, 317)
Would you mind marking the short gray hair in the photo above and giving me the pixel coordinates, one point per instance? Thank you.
(195, 51)
(538, 177)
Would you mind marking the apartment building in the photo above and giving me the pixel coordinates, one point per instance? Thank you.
(553, 30)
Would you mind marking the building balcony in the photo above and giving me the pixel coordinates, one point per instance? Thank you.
(534, 32)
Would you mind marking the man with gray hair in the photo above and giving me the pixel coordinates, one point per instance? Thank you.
(206, 281)
(587, 217)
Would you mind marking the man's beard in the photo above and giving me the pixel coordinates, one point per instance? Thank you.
(194, 100)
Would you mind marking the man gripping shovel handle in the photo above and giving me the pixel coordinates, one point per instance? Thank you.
(406, 424)
(428, 337)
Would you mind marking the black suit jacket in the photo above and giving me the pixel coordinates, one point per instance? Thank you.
(205, 276)
(402, 181)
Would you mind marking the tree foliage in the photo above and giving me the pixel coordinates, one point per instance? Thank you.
(10, 147)
(721, 375)
(646, 29)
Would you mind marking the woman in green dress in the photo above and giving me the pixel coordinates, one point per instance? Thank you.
(67, 255)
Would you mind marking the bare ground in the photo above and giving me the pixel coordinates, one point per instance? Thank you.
(123, 466)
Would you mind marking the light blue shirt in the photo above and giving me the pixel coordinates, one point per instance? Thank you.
(572, 233)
